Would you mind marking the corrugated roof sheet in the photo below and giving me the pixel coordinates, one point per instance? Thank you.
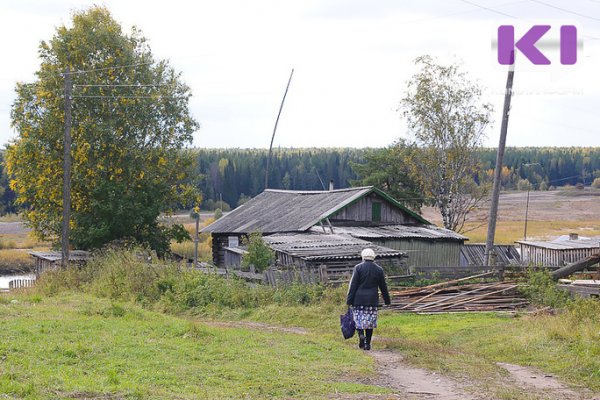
(314, 246)
(275, 211)
(431, 232)
(474, 254)
(564, 243)
(74, 255)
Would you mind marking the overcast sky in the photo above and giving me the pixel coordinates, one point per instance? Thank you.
(352, 59)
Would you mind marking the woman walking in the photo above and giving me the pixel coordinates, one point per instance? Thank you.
(363, 296)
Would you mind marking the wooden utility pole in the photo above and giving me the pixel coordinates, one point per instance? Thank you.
(527, 205)
(196, 236)
(67, 170)
(275, 129)
(489, 244)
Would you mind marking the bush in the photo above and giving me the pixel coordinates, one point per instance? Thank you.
(259, 253)
(123, 276)
(541, 290)
(596, 183)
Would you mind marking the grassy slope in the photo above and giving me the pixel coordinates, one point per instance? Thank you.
(77, 344)
(469, 345)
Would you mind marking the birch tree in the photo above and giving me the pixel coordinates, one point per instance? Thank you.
(447, 118)
(130, 122)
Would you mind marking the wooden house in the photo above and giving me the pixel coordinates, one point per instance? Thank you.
(561, 251)
(382, 221)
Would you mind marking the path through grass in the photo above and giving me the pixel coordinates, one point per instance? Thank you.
(74, 345)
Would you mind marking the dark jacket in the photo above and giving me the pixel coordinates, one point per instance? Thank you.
(366, 279)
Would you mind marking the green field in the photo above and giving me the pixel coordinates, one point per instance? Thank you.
(80, 346)
(120, 328)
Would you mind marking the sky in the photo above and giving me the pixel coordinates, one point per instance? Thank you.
(352, 60)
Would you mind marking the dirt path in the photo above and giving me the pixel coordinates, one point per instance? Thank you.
(521, 382)
(258, 326)
(412, 383)
(543, 384)
(416, 383)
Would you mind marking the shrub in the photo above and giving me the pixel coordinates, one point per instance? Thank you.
(541, 290)
(123, 276)
(259, 253)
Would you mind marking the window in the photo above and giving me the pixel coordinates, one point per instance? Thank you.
(376, 212)
(234, 241)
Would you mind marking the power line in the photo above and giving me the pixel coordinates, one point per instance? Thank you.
(125, 85)
(489, 9)
(564, 10)
(495, 11)
(125, 97)
(107, 68)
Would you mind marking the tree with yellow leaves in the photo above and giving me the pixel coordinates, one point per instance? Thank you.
(131, 122)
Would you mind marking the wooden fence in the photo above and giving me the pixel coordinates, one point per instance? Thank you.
(446, 273)
(342, 275)
(20, 283)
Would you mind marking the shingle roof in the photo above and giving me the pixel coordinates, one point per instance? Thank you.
(314, 246)
(431, 232)
(275, 211)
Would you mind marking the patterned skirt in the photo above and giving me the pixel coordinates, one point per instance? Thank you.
(365, 317)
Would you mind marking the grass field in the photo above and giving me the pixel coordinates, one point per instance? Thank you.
(86, 334)
(75, 346)
(551, 214)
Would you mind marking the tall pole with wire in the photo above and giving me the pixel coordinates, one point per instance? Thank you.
(527, 204)
(275, 129)
(66, 215)
(489, 244)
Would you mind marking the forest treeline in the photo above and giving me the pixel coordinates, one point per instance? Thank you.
(231, 176)
(236, 175)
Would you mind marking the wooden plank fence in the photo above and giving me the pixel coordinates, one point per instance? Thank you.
(445, 273)
(20, 283)
(342, 275)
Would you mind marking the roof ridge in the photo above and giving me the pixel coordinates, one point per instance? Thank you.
(350, 189)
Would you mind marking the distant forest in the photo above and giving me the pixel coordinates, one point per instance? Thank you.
(236, 175)
(231, 176)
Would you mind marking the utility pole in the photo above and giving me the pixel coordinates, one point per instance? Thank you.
(275, 129)
(527, 204)
(196, 215)
(66, 215)
(489, 244)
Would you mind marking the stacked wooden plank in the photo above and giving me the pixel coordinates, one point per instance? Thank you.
(588, 288)
(460, 296)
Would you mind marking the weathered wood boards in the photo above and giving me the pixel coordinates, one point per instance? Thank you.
(455, 297)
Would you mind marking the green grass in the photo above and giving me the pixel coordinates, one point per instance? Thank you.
(74, 345)
(141, 330)
(469, 345)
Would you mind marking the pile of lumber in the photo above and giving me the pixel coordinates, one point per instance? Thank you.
(460, 296)
(581, 287)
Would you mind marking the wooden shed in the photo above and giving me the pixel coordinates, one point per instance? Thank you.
(561, 251)
(45, 260)
(392, 226)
